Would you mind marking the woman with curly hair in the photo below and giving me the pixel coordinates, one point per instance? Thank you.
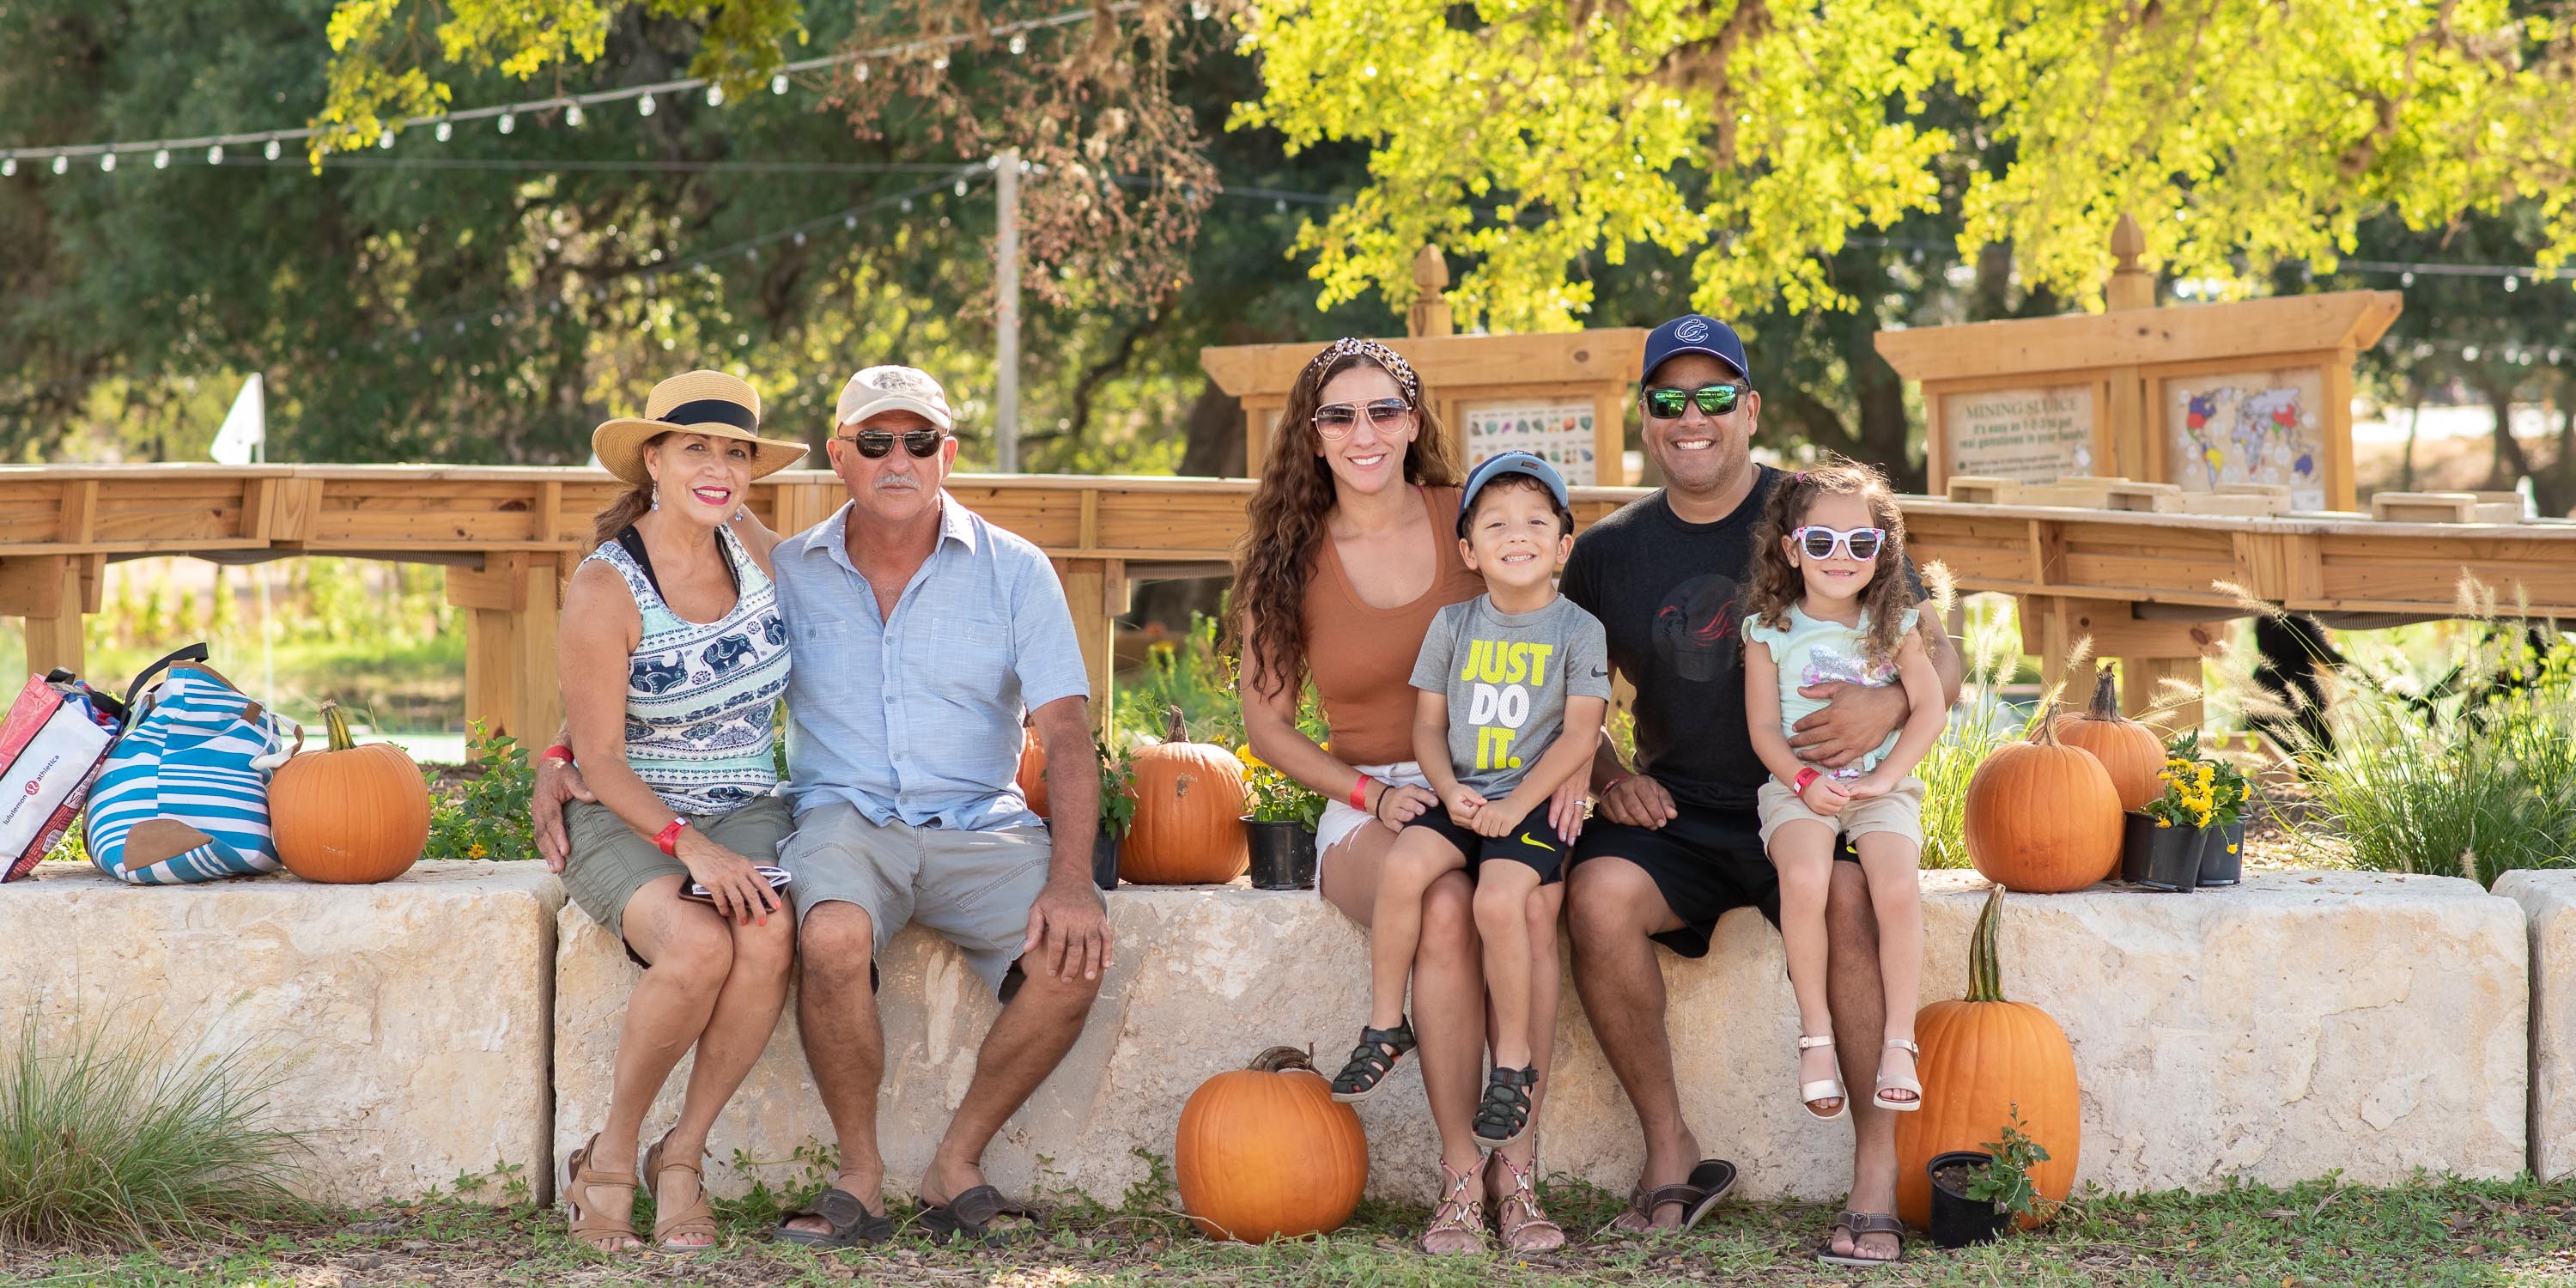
(1348, 557)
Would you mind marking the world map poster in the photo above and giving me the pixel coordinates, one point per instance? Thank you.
(2248, 427)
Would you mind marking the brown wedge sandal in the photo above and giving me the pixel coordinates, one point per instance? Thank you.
(697, 1218)
(595, 1219)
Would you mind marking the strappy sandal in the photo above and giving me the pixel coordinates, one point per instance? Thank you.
(1524, 1227)
(1379, 1051)
(593, 1218)
(697, 1218)
(1861, 1223)
(1887, 1084)
(1460, 1213)
(970, 1216)
(1503, 1117)
(1822, 1088)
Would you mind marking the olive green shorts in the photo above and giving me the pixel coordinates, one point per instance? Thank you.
(610, 862)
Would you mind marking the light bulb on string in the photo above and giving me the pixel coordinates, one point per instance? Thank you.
(386, 139)
(907, 205)
(939, 62)
(644, 106)
(1279, 206)
(1019, 44)
(715, 95)
(572, 116)
(863, 73)
(8, 167)
(446, 131)
(161, 159)
(778, 83)
(2406, 278)
(961, 188)
(1198, 10)
(2511, 283)
(850, 222)
(508, 122)
(800, 236)
(62, 165)
(215, 155)
(271, 149)
(107, 162)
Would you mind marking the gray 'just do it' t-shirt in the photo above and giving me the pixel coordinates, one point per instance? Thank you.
(1507, 676)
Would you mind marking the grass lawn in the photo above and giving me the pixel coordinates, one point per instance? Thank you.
(2432, 1232)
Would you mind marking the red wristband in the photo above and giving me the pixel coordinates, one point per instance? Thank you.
(1605, 787)
(559, 752)
(669, 837)
(1359, 792)
(1805, 776)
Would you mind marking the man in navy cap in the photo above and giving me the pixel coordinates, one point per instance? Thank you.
(1675, 842)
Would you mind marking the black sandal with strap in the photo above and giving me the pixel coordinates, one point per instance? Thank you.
(852, 1224)
(1379, 1051)
(1503, 1117)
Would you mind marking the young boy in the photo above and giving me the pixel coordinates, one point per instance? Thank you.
(1513, 686)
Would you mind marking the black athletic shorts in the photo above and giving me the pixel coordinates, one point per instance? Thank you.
(1706, 863)
(1535, 842)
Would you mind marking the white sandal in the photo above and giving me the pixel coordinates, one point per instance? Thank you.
(1887, 1084)
(1823, 1088)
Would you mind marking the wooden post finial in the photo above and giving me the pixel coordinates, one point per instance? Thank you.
(2131, 286)
(1430, 312)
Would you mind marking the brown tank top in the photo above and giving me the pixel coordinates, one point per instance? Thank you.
(1362, 657)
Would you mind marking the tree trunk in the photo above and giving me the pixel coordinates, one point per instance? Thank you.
(2510, 464)
(1214, 448)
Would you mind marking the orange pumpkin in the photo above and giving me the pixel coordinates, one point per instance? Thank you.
(1032, 775)
(2130, 752)
(1984, 1059)
(346, 814)
(2041, 816)
(1189, 813)
(1264, 1153)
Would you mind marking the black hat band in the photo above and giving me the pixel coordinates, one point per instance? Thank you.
(722, 411)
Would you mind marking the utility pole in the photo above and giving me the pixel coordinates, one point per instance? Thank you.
(1006, 288)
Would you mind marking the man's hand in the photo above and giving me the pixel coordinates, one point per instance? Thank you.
(557, 783)
(1074, 925)
(1854, 722)
(1639, 801)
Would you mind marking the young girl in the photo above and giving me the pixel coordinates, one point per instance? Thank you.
(1829, 606)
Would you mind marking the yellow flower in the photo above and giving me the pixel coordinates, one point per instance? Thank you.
(476, 851)
(1244, 754)
(2231, 849)
(2164, 822)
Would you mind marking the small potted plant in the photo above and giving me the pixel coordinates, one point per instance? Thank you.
(1977, 1194)
(2161, 844)
(1281, 825)
(2222, 852)
(1117, 810)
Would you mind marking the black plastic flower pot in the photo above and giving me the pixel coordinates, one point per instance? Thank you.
(1958, 1220)
(1283, 855)
(2159, 858)
(2222, 856)
(1104, 859)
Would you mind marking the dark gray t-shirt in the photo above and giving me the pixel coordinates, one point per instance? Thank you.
(1507, 677)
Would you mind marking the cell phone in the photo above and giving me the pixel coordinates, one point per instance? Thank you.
(777, 878)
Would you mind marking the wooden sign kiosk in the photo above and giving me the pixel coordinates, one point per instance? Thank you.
(2242, 408)
(1562, 395)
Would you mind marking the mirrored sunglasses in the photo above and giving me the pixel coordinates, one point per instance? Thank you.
(1667, 403)
(1337, 420)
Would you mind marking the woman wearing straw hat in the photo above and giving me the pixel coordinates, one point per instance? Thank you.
(673, 657)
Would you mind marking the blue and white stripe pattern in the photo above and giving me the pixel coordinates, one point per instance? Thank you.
(191, 756)
(701, 697)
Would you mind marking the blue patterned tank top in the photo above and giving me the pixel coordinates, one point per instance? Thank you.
(700, 696)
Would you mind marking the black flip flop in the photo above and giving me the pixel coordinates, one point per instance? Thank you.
(852, 1223)
(970, 1216)
(1712, 1178)
(1861, 1223)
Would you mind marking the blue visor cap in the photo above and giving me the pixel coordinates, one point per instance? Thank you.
(1495, 467)
(1694, 333)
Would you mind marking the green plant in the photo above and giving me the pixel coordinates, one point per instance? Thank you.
(1117, 787)
(1275, 797)
(121, 1142)
(2005, 1179)
(1982, 722)
(1190, 672)
(2199, 790)
(489, 818)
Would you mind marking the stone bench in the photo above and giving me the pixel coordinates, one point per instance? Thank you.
(413, 1017)
(2548, 899)
(2300, 1023)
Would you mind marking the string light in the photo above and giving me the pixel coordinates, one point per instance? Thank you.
(1019, 44)
(8, 167)
(62, 165)
(961, 187)
(715, 95)
(863, 73)
(508, 122)
(215, 155)
(572, 116)
(161, 159)
(2511, 283)
(939, 63)
(643, 106)
(384, 140)
(2406, 278)
(445, 131)
(271, 149)
(778, 83)
(107, 162)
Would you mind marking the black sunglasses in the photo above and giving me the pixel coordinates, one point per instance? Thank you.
(1715, 400)
(875, 443)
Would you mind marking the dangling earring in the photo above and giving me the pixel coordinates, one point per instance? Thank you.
(657, 496)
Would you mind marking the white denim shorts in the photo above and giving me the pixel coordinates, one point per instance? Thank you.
(1340, 820)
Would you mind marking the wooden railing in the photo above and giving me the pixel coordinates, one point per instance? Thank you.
(2143, 586)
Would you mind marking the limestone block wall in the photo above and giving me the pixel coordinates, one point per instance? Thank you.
(413, 1016)
(2548, 900)
(2300, 1023)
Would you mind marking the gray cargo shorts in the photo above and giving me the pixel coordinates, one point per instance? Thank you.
(974, 888)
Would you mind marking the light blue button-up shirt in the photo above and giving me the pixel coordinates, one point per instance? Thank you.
(918, 719)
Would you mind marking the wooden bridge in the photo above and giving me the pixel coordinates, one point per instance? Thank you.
(2143, 586)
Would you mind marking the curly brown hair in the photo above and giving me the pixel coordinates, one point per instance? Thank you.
(1778, 585)
(1289, 509)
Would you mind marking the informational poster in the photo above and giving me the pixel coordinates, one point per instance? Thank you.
(2248, 427)
(2035, 435)
(1556, 431)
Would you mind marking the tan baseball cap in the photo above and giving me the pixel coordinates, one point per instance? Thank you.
(883, 389)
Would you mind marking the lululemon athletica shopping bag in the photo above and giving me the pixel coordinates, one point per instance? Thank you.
(184, 795)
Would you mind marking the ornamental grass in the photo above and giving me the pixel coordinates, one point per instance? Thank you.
(120, 1142)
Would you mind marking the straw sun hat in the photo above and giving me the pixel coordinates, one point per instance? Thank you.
(693, 402)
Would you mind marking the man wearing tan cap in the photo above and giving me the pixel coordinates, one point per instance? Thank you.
(925, 636)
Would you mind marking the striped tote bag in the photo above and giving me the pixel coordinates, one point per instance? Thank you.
(184, 794)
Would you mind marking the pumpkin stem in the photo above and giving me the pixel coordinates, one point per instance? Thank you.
(1175, 730)
(1280, 1059)
(2106, 696)
(2047, 731)
(341, 740)
(1985, 972)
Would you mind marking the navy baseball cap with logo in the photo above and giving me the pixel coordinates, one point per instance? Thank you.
(1694, 333)
(1510, 463)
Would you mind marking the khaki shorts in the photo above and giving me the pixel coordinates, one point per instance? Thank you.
(974, 888)
(610, 862)
(1899, 812)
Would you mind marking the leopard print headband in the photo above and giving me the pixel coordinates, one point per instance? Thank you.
(1394, 363)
